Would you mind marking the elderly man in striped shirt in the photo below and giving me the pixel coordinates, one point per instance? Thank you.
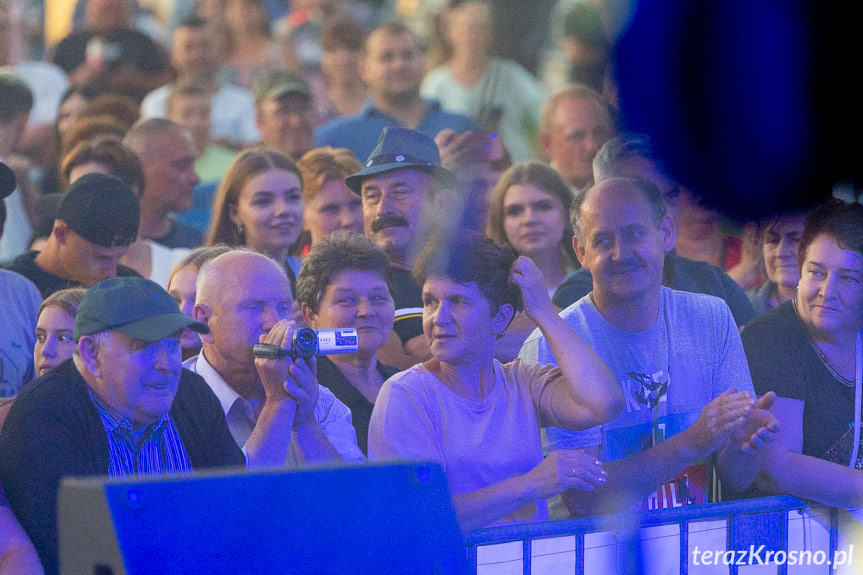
(121, 406)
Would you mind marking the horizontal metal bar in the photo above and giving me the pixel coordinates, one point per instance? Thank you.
(545, 529)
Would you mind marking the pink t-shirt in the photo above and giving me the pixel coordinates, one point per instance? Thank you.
(416, 417)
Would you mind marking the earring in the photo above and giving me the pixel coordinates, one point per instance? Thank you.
(241, 229)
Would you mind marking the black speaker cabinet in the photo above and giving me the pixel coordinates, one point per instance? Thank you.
(371, 518)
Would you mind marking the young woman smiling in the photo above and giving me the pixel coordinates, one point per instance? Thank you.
(529, 212)
(259, 204)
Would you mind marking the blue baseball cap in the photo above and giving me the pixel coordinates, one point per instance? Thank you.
(134, 306)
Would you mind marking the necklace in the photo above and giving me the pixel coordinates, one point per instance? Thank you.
(832, 367)
(857, 383)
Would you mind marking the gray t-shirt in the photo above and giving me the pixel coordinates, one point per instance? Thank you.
(668, 373)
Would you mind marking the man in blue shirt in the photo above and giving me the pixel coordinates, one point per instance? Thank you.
(392, 67)
(18, 314)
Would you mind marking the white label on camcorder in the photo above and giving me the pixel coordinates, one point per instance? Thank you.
(333, 341)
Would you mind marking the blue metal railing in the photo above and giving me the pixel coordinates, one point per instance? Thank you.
(739, 533)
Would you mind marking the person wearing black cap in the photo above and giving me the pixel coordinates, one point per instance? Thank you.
(284, 112)
(18, 313)
(121, 406)
(96, 221)
(398, 187)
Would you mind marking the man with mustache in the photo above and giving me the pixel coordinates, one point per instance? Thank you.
(400, 190)
(677, 356)
(633, 156)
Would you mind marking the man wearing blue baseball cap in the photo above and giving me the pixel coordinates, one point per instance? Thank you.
(400, 189)
(121, 406)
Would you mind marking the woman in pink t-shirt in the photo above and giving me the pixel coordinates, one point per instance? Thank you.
(480, 419)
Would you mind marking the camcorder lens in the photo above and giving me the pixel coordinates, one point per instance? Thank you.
(305, 342)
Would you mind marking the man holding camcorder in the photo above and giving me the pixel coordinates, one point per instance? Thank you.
(275, 409)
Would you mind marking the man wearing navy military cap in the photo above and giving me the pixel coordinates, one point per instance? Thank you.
(399, 187)
(123, 405)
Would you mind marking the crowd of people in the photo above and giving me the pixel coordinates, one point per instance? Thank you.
(540, 307)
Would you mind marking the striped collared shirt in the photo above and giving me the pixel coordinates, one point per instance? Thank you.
(153, 450)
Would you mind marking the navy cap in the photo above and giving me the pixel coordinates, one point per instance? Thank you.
(398, 149)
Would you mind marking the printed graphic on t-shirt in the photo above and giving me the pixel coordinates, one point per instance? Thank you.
(646, 423)
(691, 487)
(619, 442)
(652, 391)
(646, 396)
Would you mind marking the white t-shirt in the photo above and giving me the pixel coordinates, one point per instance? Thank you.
(232, 113)
(48, 82)
(17, 231)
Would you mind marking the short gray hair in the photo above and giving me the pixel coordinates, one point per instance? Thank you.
(97, 338)
(147, 133)
(621, 149)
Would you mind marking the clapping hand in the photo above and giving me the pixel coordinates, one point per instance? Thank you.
(724, 415)
(760, 427)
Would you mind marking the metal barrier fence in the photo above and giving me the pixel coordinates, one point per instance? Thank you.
(730, 537)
